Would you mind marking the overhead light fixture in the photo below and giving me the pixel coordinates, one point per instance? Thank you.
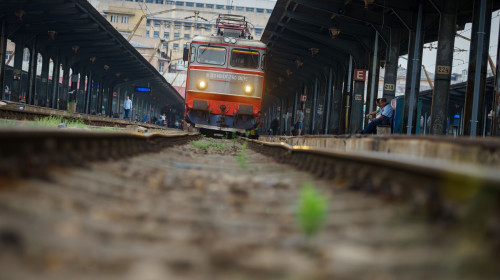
(117, 74)
(334, 32)
(125, 80)
(368, 3)
(299, 63)
(20, 14)
(289, 72)
(92, 60)
(382, 64)
(75, 49)
(106, 67)
(52, 34)
(280, 79)
(314, 51)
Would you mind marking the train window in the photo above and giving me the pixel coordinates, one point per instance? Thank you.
(193, 54)
(244, 58)
(263, 62)
(212, 55)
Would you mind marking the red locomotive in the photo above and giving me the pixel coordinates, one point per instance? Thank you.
(225, 78)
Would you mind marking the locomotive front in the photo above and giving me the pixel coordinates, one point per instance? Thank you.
(225, 83)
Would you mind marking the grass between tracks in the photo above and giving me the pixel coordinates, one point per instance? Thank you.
(52, 122)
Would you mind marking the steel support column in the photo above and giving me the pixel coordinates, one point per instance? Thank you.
(3, 50)
(295, 104)
(55, 82)
(31, 85)
(337, 105)
(391, 66)
(328, 99)
(413, 75)
(88, 93)
(110, 102)
(17, 74)
(495, 128)
(282, 121)
(444, 62)
(345, 119)
(63, 95)
(44, 85)
(478, 59)
(374, 76)
(315, 100)
(80, 97)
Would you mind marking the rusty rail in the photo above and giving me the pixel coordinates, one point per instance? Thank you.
(440, 189)
(32, 152)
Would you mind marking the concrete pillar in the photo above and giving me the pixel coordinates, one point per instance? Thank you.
(374, 74)
(478, 59)
(80, 96)
(346, 99)
(314, 104)
(444, 62)
(413, 75)
(295, 106)
(31, 85)
(3, 50)
(110, 102)
(44, 85)
(282, 121)
(356, 122)
(17, 77)
(55, 82)
(391, 66)
(337, 104)
(495, 128)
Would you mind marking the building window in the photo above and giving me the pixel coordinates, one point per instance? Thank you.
(200, 5)
(208, 27)
(258, 31)
(219, 7)
(189, 4)
(179, 3)
(187, 27)
(269, 11)
(260, 10)
(209, 6)
(176, 46)
(156, 34)
(147, 33)
(167, 24)
(165, 45)
(139, 0)
(177, 35)
(157, 23)
(229, 7)
(250, 9)
(166, 35)
(149, 1)
(113, 18)
(161, 66)
(177, 26)
(240, 8)
(124, 19)
(186, 36)
(148, 22)
(169, 2)
(159, 1)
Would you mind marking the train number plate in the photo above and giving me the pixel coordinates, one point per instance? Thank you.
(443, 69)
(389, 86)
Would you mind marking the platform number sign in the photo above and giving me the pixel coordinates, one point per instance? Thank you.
(390, 87)
(444, 70)
(303, 98)
(360, 75)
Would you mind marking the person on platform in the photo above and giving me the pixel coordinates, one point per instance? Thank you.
(127, 106)
(385, 118)
(299, 121)
(275, 126)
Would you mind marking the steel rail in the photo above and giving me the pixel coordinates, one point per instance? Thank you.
(439, 188)
(25, 153)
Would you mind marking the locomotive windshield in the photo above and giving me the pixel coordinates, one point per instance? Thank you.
(212, 55)
(244, 58)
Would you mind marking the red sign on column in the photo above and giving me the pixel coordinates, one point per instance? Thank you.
(360, 75)
(303, 98)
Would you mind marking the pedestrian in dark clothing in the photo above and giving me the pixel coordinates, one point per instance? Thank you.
(275, 125)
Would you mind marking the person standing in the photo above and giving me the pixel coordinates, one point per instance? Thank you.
(127, 106)
(275, 125)
(299, 121)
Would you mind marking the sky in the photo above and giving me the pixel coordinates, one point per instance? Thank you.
(460, 58)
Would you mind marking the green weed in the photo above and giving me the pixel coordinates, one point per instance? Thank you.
(241, 158)
(312, 209)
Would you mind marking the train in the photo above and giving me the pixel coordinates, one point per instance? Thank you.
(225, 79)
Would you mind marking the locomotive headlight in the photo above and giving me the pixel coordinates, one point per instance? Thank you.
(248, 89)
(202, 85)
(233, 40)
(226, 39)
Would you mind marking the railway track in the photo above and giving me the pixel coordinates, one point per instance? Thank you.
(21, 111)
(221, 211)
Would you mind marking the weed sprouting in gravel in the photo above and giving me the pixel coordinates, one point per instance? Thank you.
(200, 144)
(241, 158)
(312, 209)
(205, 145)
